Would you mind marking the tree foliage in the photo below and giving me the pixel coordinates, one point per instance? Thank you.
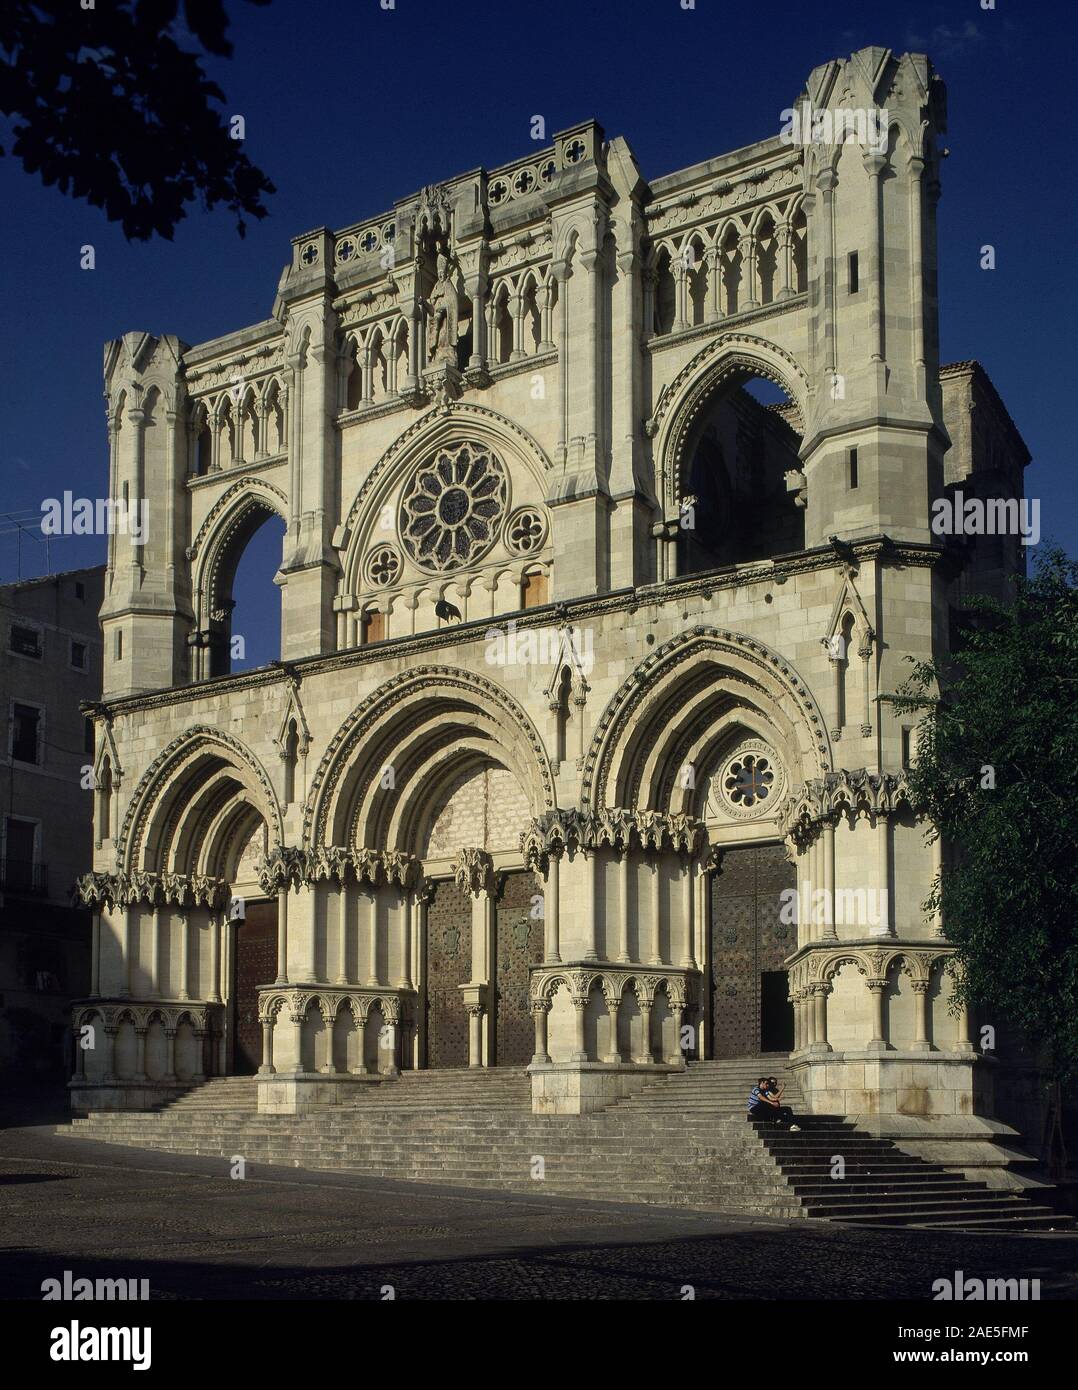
(996, 769)
(105, 104)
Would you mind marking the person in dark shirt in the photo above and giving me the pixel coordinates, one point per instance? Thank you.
(765, 1103)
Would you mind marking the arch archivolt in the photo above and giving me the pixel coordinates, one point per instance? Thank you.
(328, 1004)
(727, 358)
(402, 726)
(688, 694)
(196, 774)
(231, 522)
(821, 966)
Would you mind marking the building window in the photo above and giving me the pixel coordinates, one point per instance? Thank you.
(533, 591)
(80, 589)
(24, 640)
(78, 655)
(853, 468)
(120, 645)
(374, 627)
(20, 841)
(26, 733)
(853, 272)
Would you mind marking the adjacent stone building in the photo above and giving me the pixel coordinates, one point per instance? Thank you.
(51, 665)
(608, 528)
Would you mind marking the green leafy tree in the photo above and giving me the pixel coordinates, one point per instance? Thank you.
(996, 768)
(104, 103)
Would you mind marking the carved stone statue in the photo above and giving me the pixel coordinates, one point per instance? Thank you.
(443, 314)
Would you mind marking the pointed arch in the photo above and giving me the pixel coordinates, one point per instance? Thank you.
(421, 724)
(683, 698)
(173, 789)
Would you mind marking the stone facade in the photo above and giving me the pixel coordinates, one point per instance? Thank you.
(578, 722)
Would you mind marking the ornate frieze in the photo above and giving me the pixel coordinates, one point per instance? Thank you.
(609, 828)
(97, 890)
(473, 871)
(843, 793)
(288, 867)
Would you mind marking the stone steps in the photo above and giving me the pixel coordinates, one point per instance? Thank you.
(682, 1140)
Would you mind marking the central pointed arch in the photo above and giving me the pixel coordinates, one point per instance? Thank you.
(412, 736)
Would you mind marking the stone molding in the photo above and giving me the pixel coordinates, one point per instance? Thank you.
(286, 866)
(613, 981)
(823, 800)
(97, 890)
(618, 829)
(358, 1002)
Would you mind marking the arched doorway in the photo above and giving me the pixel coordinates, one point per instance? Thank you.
(749, 942)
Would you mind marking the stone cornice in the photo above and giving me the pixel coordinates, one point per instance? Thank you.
(675, 591)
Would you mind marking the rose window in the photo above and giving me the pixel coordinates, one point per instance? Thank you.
(453, 507)
(749, 780)
(750, 783)
(384, 566)
(525, 532)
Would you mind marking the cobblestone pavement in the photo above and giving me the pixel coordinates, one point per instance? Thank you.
(195, 1233)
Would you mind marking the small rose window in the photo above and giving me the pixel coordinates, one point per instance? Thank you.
(749, 780)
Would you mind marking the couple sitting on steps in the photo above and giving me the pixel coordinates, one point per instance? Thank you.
(765, 1103)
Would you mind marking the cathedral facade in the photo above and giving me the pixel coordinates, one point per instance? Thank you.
(607, 510)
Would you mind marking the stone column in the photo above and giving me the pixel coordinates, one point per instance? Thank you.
(714, 284)
(110, 1052)
(677, 1012)
(328, 1067)
(784, 242)
(551, 944)
(747, 247)
(825, 266)
(540, 1017)
(405, 981)
(185, 957)
(342, 933)
(613, 1052)
(80, 1054)
(655, 925)
(391, 1015)
(877, 1043)
(687, 959)
(128, 949)
(799, 1024)
(883, 842)
(266, 1066)
(808, 1017)
(200, 1053)
(475, 1035)
(829, 931)
(282, 936)
(591, 864)
(547, 315)
(875, 163)
(296, 1020)
(681, 278)
(170, 1054)
(623, 906)
(914, 171)
(157, 972)
(645, 1053)
(580, 1051)
(819, 1016)
(95, 955)
(372, 936)
(920, 1017)
(214, 995)
(140, 1054)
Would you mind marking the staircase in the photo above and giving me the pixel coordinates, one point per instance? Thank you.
(683, 1140)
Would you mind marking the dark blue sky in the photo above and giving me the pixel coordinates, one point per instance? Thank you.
(349, 107)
